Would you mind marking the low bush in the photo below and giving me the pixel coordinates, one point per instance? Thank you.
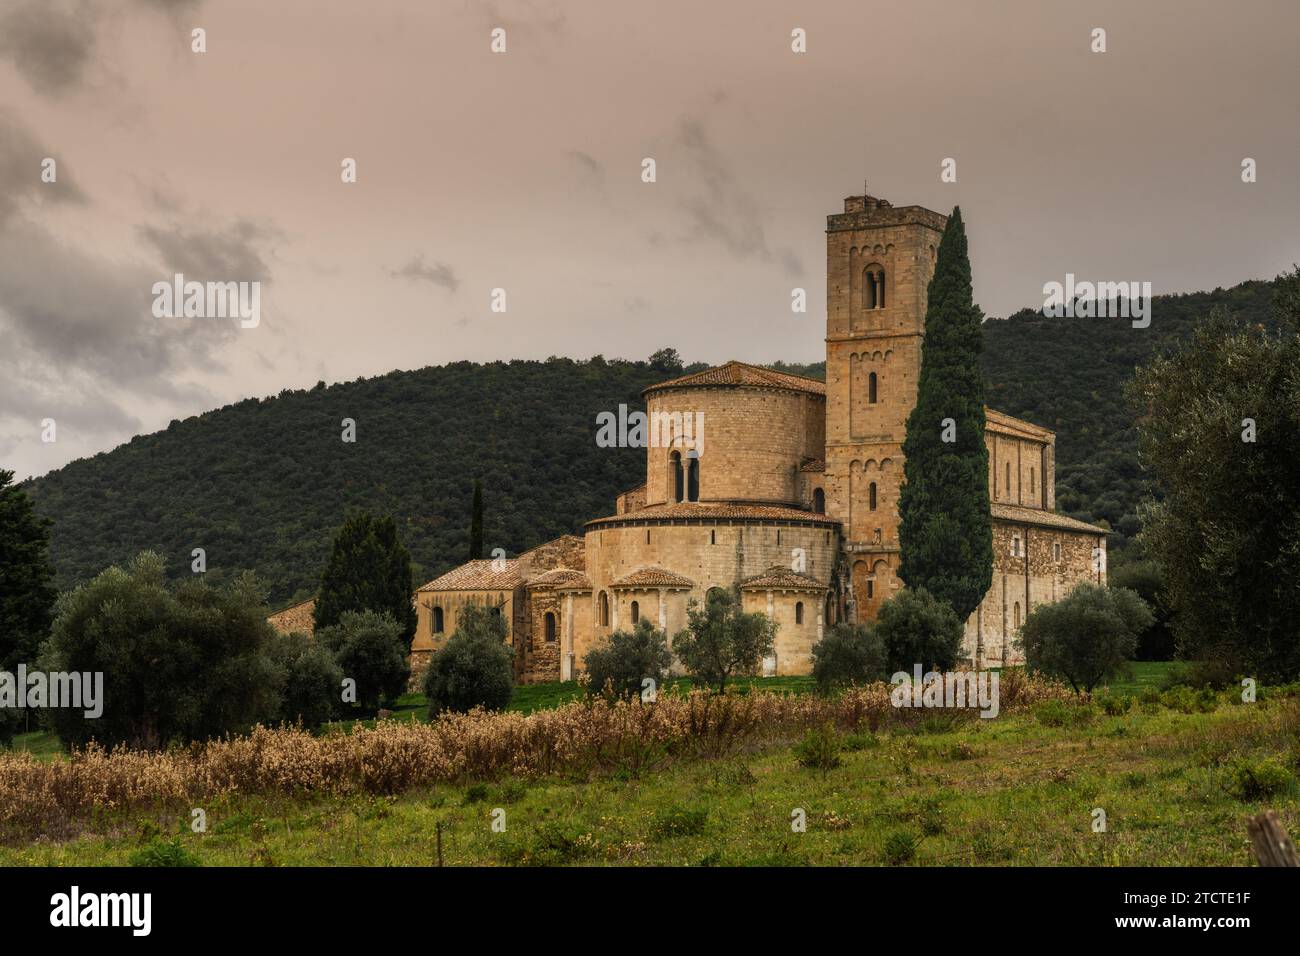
(620, 667)
(163, 853)
(848, 654)
(1115, 705)
(474, 669)
(678, 821)
(900, 847)
(1250, 779)
(820, 749)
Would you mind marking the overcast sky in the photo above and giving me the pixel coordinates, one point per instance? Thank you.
(522, 171)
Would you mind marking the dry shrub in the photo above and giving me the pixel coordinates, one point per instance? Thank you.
(396, 756)
(1018, 690)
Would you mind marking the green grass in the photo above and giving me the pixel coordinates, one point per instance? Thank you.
(1010, 791)
(1145, 674)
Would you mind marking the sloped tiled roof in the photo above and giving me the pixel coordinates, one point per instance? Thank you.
(718, 512)
(1046, 519)
(815, 465)
(297, 617)
(652, 577)
(1002, 422)
(479, 575)
(780, 578)
(742, 375)
(562, 579)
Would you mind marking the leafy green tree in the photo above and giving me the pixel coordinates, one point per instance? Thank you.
(945, 528)
(1219, 432)
(721, 640)
(180, 663)
(1144, 577)
(666, 361)
(1087, 637)
(619, 666)
(370, 649)
(368, 570)
(27, 591)
(916, 627)
(849, 654)
(476, 524)
(311, 681)
(475, 668)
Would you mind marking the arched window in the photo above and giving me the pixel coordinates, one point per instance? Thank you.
(1017, 615)
(871, 496)
(871, 589)
(798, 612)
(550, 628)
(1008, 477)
(713, 537)
(636, 612)
(604, 609)
(693, 479)
(819, 501)
(675, 482)
(1056, 551)
(1031, 481)
(873, 287)
(871, 388)
(1015, 545)
(437, 620)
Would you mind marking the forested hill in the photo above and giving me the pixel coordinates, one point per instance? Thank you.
(262, 484)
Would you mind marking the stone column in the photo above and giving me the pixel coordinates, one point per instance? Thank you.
(566, 658)
(769, 663)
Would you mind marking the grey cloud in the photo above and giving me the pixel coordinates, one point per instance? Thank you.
(440, 274)
(229, 254)
(77, 311)
(589, 165)
(721, 210)
(49, 42)
(20, 171)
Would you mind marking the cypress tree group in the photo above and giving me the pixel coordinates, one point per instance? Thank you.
(946, 532)
(476, 523)
(368, 570)
(26, 577)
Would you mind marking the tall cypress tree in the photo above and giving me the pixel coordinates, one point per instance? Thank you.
(476, 523)
(369, 570)
(946, 532)
(26, 578)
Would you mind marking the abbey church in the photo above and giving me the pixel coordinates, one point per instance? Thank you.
(792, 493)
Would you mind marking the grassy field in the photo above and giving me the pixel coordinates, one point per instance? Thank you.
(1175, 787)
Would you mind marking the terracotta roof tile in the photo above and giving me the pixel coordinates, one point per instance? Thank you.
(742, 375)
(1001, 421)
(1048, 519)
(652, 577)
(297, 617)
(815, 465)
(479, 575)
(780, 578)
(562, 579)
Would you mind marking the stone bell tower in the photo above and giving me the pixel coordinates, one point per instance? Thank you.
(879, 260)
